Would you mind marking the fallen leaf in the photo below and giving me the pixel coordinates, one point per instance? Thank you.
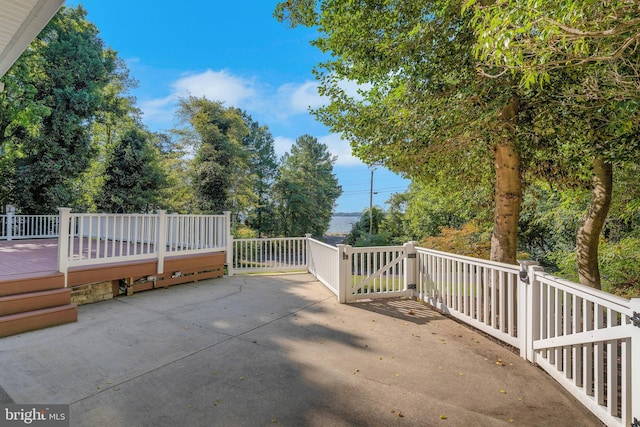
(503, 391)
(410, 313)
(443, 417)
(400, 414)
(242, 378)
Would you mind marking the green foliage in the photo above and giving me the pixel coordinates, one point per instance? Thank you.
(536, 38)
(243, 232)
(367, 229)
(305, 189)
(549, 220)
(133, 177)
(620, 266)
(219, 169)
(263, 167)
(59, 85)
(470, 240)
(435, 204)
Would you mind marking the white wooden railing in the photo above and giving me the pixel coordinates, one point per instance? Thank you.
(323, 260)
(589, 341)
(268, 255)
(481, 293)
(96, 239)
(14, 227)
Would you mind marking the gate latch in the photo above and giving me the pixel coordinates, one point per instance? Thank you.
(636, 322)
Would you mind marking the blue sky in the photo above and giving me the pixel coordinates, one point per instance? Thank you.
(235, 52)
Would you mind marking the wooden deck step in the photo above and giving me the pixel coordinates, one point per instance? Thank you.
(14, 285)
(21, 303)
(38, 319)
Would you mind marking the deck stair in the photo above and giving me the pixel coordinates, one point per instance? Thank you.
(35, 302)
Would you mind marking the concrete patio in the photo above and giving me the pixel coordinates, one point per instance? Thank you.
(263, 350)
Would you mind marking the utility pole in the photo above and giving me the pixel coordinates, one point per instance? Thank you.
(371, 205)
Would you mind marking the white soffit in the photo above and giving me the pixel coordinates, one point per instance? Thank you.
(20, 22)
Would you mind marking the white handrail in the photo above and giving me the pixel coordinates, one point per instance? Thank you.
(13, 227)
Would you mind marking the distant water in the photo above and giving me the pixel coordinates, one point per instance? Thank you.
(341, 224)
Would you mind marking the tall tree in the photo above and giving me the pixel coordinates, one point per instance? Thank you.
(220, 164)
(133, 177)
(306, 189)
(421, 106)
(60, 83)
(596, 46)
(263, 167)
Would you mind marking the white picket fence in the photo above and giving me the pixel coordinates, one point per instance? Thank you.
(14, 227)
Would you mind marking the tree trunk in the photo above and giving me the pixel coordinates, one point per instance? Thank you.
(588, 236)
(508, 195)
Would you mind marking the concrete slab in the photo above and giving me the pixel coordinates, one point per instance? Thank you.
(258, 350)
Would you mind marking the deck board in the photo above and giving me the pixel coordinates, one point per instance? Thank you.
(26, 258)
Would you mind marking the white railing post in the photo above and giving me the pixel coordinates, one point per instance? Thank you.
(411, 268)
(531, 309)
(229, 242)
(524, 306)
(344, 272)
(634, 304)
(161, 242)
(64, 233)
(11, 212)
(307, 243)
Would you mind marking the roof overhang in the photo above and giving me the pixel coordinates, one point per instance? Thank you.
(20, 22)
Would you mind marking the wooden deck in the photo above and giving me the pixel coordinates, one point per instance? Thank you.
(33, 294)
(21, 259)
(27, 258)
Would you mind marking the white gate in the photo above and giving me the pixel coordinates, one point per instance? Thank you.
(378, 272)
(584, 339)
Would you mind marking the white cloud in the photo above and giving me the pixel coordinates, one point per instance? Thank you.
(282, 144)
(298, 98)
(216, 86)
(159, 110)
(283, 104)
(341, 148)
(335, 145)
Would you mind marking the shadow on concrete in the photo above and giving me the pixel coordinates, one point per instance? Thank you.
(400, 308)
